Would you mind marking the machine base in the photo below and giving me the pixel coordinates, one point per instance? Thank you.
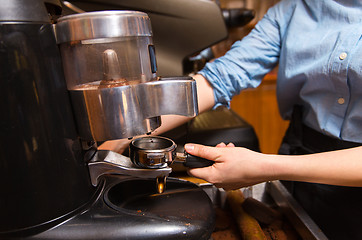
(131, 209)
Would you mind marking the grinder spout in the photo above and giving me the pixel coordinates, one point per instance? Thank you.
(110, 70)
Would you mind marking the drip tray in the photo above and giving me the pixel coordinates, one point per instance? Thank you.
(182, 201)
(131, 208)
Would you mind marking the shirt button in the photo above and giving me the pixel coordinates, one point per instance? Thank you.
(341, 101)
(343, 55)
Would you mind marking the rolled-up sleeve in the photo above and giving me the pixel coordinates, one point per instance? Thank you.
(248, 60)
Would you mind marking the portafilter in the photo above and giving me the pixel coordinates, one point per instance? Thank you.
(155, 152)
(159, 152)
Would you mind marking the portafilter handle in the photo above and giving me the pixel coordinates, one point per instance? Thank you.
(192, 161)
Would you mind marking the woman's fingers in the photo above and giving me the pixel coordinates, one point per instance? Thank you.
(230, 145)
(210, 153)
(221, 145)
(224, 145)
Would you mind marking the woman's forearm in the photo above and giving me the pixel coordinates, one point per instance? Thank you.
(237, 167)
(342, 167)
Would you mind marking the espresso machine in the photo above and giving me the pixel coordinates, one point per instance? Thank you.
(65, 88)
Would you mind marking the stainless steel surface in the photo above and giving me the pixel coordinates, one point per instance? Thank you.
(152, 152)
(116, 42)
(108, 162)
(104, 24)
(301, 221)
(110, 69)
(131, 110)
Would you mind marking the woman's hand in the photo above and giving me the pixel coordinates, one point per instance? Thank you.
(237, 167)
(234, 167)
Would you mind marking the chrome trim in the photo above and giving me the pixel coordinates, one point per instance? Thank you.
(152, 152)
(102, 24)
(131, 110)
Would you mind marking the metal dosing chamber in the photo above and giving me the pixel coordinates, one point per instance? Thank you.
(110, 69)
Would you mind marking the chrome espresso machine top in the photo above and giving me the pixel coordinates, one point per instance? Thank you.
(57, 105)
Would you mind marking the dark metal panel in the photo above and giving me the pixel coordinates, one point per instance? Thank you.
(42, 172)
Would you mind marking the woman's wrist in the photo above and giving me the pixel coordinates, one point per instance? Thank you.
(280, 167)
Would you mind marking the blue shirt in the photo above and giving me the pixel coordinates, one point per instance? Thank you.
(317, 44)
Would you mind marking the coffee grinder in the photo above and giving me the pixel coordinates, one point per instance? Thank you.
(56, 107)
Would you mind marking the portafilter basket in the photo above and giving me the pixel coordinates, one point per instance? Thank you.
(159, 152)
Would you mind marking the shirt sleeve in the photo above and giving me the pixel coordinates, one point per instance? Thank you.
(249, 59)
